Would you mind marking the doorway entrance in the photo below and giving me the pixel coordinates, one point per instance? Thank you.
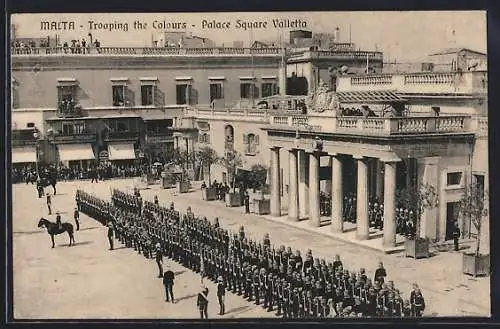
(452, 209)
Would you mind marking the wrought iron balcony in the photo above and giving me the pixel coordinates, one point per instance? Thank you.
(86, 137)
(23, 142)
(122, 136)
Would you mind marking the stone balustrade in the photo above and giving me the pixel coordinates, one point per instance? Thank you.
(152, 51)
(429, 78)
(372, 80)
(482, 123)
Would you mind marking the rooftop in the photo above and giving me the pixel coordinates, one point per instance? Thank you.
(455, 50)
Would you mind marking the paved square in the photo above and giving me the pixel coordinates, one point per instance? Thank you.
(89, 281)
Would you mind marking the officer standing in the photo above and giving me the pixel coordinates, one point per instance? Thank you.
(110, 235)
(159, 259)
(221, 295)
(456, 236)
(58, 220)
(49, 204)
(247, 203)
(168, 282)
(76, 216)
(380, 274)
(202, 302)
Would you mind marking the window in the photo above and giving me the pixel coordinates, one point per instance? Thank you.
(67, 99)
(247, 89)
(30, 125)
(183, 94)
(119, 95)
(454, 178)
(216, 91)
(250, 141)
(204, 138)
(147, 95)
(269, 89)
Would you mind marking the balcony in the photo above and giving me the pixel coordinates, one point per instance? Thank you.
(23, 142)
(378, 126)
(114, 136)
(141, 51)
(435, 83)
(87, 137)
(153, 137)
(338, 54)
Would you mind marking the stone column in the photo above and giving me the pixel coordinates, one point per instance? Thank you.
(362, 200)
(314, 189)
(337, 195)
(275, 182)
(389, 204)
(293, 187)
(303, 184)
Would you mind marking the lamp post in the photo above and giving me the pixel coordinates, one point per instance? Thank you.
(36, 137)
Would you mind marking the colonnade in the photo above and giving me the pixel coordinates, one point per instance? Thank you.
(304, 191)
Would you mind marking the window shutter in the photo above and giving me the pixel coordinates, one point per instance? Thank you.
(200, 138)
(245, 139)
(256, 140)
(208, 138)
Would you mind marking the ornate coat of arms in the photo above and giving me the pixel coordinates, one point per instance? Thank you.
(321, 100)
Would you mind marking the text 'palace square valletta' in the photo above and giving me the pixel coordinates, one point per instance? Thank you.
(250, 165)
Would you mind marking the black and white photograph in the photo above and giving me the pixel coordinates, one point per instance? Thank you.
(249, 165)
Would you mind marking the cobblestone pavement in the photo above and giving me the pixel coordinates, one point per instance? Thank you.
(89, 281)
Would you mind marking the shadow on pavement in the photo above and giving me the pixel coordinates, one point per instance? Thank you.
(89, 228)
(30, 232)
(185, 297)
(75, 244)
(121, 247)
(238, 310)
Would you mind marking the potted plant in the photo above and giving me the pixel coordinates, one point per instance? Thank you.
(183, 184)
(257, 180)
(231, 162)
(419, 199)
(473, 206)
(207, 156)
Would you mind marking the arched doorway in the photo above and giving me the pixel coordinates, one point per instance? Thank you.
(229, 138)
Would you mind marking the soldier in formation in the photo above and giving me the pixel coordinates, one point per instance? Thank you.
(275, 278)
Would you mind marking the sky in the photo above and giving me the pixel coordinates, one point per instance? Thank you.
(403, 36)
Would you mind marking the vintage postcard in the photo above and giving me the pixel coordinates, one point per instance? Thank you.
(290, 165)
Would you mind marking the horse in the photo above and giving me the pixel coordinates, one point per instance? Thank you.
(53, 229)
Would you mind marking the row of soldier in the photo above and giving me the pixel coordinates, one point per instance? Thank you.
(279, 278)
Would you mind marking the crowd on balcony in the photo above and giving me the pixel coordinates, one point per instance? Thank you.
(357, 112)
(68, 106)
(75, 46)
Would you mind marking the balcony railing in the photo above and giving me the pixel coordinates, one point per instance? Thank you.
(379, 126)
(372, 80)
(155, 51)
(23, 142)
(122, 135)
(167, 133)
(87, 137)
(429, 78)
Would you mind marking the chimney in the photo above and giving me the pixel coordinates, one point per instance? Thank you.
(337, 34)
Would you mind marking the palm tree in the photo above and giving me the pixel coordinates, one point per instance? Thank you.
(207, 156)
(473, 206)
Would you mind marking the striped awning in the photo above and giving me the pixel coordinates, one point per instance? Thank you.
(24, 154)
(372, 96)
(73, 152)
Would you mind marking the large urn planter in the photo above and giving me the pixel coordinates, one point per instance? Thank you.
(262, 207)
(151, 179)
(233, 199)
(475, 265)
(166, 182)
(417, 248)
(182, 187)
(208, 194)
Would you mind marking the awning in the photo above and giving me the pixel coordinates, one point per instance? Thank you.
(121, 151)
(71, 152)
(381, 96)
(24, 154)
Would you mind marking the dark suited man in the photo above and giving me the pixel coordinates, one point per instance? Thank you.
(110, 235)
(168, 282)
(456, 236)
(221, 295)
(202, 303)
(159, 259)
(247, 202)
(76, 215)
